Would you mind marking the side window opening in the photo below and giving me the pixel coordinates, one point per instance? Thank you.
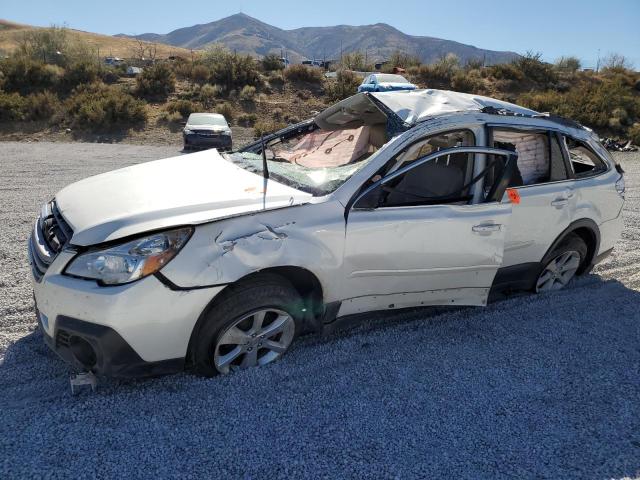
(540, 157)
(441, 180)
(584, 161)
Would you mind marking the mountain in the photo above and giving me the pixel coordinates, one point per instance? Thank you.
(245, 34)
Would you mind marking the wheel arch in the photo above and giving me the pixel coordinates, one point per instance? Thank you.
(589, 232)
(305, 282)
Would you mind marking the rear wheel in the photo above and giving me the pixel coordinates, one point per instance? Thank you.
(254, 324)
(561, 265)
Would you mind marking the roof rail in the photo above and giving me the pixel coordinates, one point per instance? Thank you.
(546, 115)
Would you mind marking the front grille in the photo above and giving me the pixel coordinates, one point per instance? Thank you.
(50, 235)
(206, 133)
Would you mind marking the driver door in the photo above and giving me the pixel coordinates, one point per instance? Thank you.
(416, 237)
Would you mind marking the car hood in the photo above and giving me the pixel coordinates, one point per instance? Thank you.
(187, 189)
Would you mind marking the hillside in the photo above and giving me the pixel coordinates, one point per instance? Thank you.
(11, 34)
(245, 34)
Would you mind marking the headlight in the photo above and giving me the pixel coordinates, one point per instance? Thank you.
(130, 261)
(187, 131)
(226, 132)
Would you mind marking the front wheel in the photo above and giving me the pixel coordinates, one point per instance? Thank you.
(561, 264)
(253, 325)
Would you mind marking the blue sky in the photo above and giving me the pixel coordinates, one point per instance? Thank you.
(553, 27)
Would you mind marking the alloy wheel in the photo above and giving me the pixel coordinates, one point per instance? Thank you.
(558, 272)
(255, 339)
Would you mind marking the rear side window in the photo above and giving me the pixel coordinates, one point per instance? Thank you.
(540, 157)
(584, 161)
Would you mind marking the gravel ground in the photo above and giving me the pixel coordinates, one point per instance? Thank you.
(530, 387)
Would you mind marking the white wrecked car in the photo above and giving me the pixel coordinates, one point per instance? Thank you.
(385, 200)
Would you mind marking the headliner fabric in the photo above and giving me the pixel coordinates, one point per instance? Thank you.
(323, 149)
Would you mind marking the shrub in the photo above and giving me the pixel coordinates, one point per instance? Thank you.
(438, 74)
(231, 70)
(227, 111)
(302, 73)
(402, 59)
(12, 107)
(200, 74)
(24, 75)
(505, 71)
(534, 69)
(208, 94)
(172, 118)
(247, 119)
(614, 62)
(271, 63)
(183, 107)
(266, 127)
(99, 106)
(634, 134)
(345, 85)
(592, 104)
(41, 106)
(156, 81)
(568, 64)
(79, 73)
(467, 82)
(248, 93)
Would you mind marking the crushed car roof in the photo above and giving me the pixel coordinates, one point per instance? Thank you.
(413, 106)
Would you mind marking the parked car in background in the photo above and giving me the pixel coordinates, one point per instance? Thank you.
(207, 130)
(385, 82)
(134, 71)
(217, 261)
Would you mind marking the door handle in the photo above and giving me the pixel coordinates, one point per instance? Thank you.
(560, 202)
(486, 228)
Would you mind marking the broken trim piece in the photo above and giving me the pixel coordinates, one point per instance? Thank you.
(172, 286)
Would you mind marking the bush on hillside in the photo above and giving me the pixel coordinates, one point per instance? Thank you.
(227, 111)
(247, 93)
(272, 63)
(81, 73)
(231, 70)
(24, 75)
(247, 119)
(591, 103)
(534, 69)
(345, 85)
(302, 73)
(265, 127)
(467, 82)
(12, 107)
(41, 106)
(183, 107)
(98, 107)
(157, 81)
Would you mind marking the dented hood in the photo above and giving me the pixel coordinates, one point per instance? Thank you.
(181, 190)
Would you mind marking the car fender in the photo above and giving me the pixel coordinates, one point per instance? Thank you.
(309, 236)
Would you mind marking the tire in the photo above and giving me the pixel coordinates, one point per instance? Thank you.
(234, 318)
(560, 265)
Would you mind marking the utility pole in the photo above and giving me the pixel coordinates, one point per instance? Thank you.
(598, 62)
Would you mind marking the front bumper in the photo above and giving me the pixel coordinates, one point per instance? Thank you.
(142, 328)
(207, 141)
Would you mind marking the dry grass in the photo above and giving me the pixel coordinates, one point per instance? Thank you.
(12, 33)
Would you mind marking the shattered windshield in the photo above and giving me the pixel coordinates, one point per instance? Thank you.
(316, 162)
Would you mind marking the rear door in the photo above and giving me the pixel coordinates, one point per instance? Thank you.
(411, 242)
(546, 190)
